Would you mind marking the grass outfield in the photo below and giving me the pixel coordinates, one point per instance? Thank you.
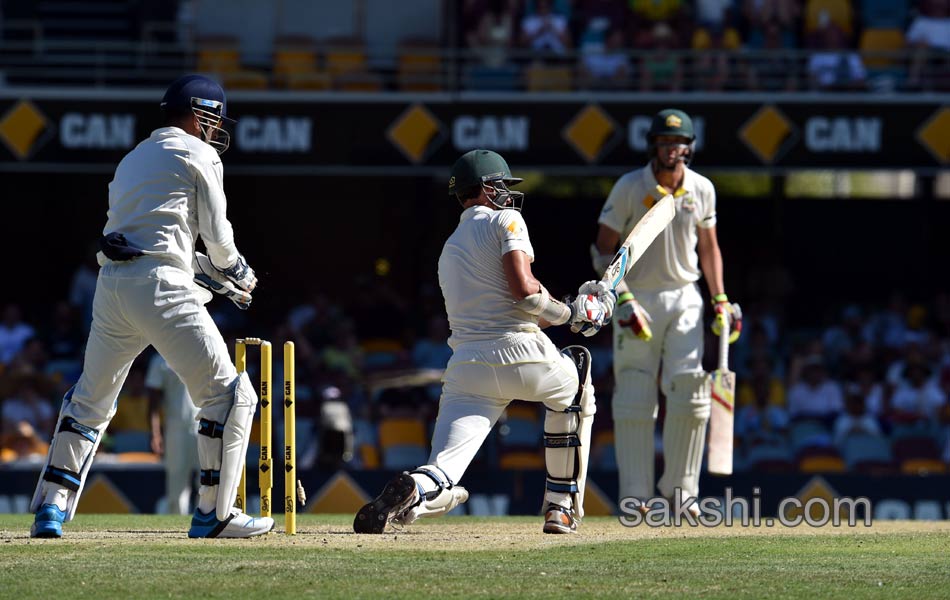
(133, 556)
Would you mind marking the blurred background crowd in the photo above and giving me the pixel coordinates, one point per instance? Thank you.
(537, 45)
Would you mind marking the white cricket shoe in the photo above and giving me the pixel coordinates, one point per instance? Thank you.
(238, 525)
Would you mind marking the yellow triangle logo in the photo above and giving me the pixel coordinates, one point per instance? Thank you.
(414, 132)
(339, 495)
(22, 127)
(596, 503)
(934, 135)
(768, 133)
(100, 496)
(816, 488)
(590, 131)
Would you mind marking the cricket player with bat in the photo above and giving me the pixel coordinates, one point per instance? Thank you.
(663, 322)
(496, 310)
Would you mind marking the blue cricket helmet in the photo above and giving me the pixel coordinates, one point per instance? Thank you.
(205, 98)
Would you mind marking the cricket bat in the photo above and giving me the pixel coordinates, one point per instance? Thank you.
(723, 386)
(644, 232)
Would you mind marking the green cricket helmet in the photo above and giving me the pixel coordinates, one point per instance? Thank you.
(673, 122)
(484, 169)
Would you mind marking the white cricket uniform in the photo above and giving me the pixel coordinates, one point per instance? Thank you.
(499, 352)
(166, 192)
(664, 283)
(180, 434)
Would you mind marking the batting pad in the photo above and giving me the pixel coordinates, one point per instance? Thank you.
(684, 433)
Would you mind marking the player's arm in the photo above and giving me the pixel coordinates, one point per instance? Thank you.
(215, 229)
(629, 313)
(710, 260)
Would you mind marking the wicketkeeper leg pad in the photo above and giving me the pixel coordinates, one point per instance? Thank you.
(567, 439)
(684, 433)
(71, 453)
(634, 411)
(224, 428)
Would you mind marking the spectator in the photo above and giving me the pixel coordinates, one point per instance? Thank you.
(760, 408)
(661, 69)
(545, 32)
(492, 32)
(596, 19)
(14, 333)
(715, 14)
(832, 65)
(130, 430)
(770, 67)
(815, 395)
(783, 14)
(716, 64)
(82, 288)
(336, 430)
(608, 67)
(28, 404)
(929, 38)
(64, 338)
(917, 397)
(856, 418)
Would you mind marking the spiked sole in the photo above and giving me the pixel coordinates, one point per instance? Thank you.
(373, 517)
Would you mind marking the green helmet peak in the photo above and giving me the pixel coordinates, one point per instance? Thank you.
(485, 169)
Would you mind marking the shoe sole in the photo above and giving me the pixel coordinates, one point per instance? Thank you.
(555, 528)
(46, 533)
(373, 517)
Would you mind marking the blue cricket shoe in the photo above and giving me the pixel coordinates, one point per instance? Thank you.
(48, 522)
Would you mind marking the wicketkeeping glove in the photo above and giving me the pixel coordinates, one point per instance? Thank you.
(727, 310)
(210, 278)
(630, 314)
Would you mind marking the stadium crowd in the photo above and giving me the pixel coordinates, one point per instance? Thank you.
(865, 391)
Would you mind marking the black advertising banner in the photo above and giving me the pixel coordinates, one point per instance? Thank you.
(327, 134)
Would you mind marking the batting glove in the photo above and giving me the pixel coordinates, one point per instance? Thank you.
(631, 314)
(588, 314)
(727, 312)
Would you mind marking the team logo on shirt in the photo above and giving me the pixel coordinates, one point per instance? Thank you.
(513, 228)
(687, 203)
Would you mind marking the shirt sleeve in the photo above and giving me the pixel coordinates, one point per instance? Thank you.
(153, 376)
(615, 212)
(213, 225)
(708, 220)
(514, 233)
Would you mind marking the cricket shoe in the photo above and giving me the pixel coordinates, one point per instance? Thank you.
(237, 525)
(399, 495)
(48, 522)
(558, 519)
(440, 505)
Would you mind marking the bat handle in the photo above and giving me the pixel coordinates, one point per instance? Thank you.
(723, 342)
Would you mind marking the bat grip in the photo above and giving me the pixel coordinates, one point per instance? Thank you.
(723, 342)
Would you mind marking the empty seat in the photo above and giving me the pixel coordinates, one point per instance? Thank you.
(822, 463)
(879, 47)
(890, 14)
(420, 66)
(220, 57)
(296, 65)
(866, 449)
(544, 78)
(401, 431)
(137, 457)
(521, 459)
(923, 466)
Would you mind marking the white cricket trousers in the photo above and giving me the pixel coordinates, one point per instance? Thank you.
(146, 302)
(482, 378)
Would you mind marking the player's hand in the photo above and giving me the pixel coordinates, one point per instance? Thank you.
(212, 279)
(727, 312)
(630, 314)
(604, 293)
(241, 274)
(588, 314)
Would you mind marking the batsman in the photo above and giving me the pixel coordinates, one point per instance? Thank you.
(496, 309)
(663, 322)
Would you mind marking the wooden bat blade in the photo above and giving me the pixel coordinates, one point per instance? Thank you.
(644, 232)
(722, 414)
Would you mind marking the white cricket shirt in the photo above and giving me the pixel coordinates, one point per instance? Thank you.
(671, 261)
(165, 193)
(477, 300)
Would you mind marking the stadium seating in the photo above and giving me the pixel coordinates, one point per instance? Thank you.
(521, 459)
(420, 66)
(822, 463)
(876, 46)
(603, 453)
(404, 456)
(923, 466)
(915, 447)
(347, 65)
(769, 459)
(867, 453)
(485, 78)
(219, 56)
(138, 457)
(544, 78)
(808, 432)
(296, 66)
(401, 431)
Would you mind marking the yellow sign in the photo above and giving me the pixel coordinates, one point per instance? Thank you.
(22, 127)
(339, 495)
(590, 131)
(414, 132)
(934, 135)
(768, 133)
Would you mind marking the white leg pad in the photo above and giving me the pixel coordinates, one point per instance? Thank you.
(567, 439)
(635, 403)
(223, 432)
(684, 433)
(71, 453)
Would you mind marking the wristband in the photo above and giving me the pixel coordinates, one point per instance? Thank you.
(720, 298)
(624, 297)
